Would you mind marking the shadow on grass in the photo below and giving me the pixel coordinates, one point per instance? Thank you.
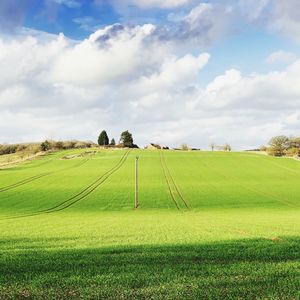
(247, 269)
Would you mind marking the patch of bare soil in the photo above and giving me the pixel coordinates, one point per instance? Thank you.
(12, 163)
(80, 155)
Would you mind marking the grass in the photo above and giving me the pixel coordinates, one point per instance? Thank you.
(209, 226)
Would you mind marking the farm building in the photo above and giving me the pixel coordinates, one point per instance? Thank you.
(153, 147)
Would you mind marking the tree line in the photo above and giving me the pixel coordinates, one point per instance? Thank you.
(283, 146)
(226, 147)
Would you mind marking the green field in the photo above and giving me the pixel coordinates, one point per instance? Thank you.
(209, 226)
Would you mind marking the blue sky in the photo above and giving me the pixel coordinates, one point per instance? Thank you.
(78, 19)
(56, 18)
(205, 71)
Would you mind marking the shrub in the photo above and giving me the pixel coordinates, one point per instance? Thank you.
(8, 149)
(293, 152)
(184, 147)
(58, 145)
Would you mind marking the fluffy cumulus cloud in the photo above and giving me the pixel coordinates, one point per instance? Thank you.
(146, 78)
(278, 16)
(121, 77)
(202, 25)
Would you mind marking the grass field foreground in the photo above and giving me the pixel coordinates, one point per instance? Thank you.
(209, 225)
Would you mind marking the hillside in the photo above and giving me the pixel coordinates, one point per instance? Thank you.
(167, 180)
(227, 221)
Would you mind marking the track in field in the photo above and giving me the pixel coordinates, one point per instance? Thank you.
(173, 188)
(81, 195)
(89, 189)
(33, 178)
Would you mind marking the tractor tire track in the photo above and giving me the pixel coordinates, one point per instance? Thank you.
(174, 183)
(168, 183)
(89, 189)
(174, 192)
(33, 178)
(81, 195)
(22, 182)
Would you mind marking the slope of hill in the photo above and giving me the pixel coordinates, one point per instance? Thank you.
(219, 225)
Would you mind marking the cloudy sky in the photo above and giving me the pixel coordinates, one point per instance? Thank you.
(169, 71)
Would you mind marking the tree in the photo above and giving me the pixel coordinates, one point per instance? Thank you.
(126, 139)
(294, 142)
(278, 145)
(263, 148)
(212, 146)
(103, 139)
(184, 147)
(45, 146)
(227, 147)
(113, 142)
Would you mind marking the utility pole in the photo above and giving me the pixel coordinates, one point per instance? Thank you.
(136, 199)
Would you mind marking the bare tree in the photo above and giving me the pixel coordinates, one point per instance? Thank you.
(212, 146)
(278, 145)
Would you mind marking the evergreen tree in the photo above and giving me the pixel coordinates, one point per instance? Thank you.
(126, 139)
(113, 142)
(103, 139)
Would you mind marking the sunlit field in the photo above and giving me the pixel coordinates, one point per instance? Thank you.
(209, 225)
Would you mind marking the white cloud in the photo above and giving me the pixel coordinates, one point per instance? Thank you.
(293, 118)
(173, 73)
(69, 3)
(281, 58)
(85, 23)
(164, 4)
(278, 16)
(253, 9)
(202, 26)
(122, 77)
(113, 54)
(286, 18)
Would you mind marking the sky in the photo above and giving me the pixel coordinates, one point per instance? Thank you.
(169, 71)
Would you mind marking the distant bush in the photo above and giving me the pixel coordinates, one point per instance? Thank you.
(22, 149)
(184, 147)
(58, 145)
(33, 148)
(8, 149)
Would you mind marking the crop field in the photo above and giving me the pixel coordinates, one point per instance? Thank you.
(210, 225)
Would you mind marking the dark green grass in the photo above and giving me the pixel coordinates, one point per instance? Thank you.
(234, 269)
